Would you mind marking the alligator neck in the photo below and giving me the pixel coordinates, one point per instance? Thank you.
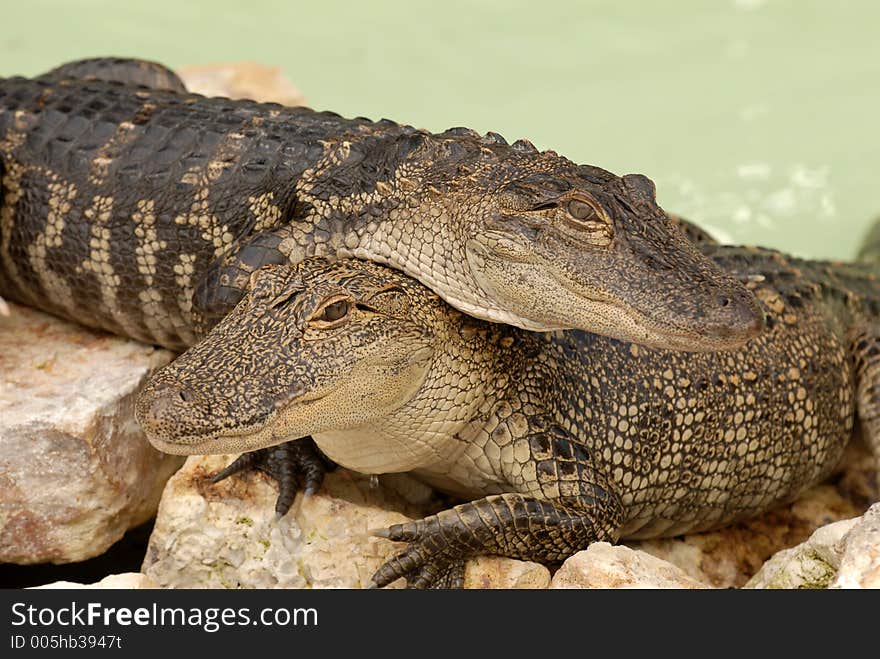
(437, 424)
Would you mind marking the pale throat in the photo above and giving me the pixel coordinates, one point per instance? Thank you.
(425, 433)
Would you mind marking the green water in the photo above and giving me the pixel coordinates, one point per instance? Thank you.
(757, 118)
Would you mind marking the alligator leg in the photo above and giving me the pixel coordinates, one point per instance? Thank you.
(866, 349)
(512, 525)
(562, 506)
(292, 464)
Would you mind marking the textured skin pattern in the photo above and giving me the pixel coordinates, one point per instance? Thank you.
(117, 69)
(560, 438)
(144, 211)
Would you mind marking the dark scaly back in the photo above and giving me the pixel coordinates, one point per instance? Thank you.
(113, 175)
(119, 69)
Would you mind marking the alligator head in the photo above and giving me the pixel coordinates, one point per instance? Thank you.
(543, 244)
(323, 348)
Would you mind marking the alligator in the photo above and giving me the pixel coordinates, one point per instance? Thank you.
(132, 206)
(556, 439)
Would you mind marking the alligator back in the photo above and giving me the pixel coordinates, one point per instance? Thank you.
(117, 199)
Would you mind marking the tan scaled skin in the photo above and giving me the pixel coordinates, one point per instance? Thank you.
(143, 211)
(558, 439)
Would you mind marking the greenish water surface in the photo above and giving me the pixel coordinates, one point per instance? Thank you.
(757, 118)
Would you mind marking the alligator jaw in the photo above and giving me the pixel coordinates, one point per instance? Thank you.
(616, 319)
(623, 322)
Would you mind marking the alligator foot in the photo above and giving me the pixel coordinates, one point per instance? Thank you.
(292, 464)
(512, 525)
(436, 555)
(435, 572)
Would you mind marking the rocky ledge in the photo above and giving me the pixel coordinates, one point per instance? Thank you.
(75, 469)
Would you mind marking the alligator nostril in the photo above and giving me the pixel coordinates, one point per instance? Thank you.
(165, 400)
(157, 411)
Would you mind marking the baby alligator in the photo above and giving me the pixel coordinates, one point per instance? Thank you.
(557, 439)
(129, 205)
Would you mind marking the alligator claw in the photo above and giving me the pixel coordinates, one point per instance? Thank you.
(429, 561)
(292, 464)
(243, 462)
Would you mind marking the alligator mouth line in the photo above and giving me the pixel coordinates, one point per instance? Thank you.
(643, 329)
(663, 335)
(215, 443)
(235, 440)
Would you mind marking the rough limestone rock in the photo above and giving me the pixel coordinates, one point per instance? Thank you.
(607, 566)
(75, 470)
(242, 80)
(225, 535)
(124, 581)
(860, 562)
(730, 556)
(812, 564)
(498, 572)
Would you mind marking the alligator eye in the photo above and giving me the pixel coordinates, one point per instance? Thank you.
(335, 311)
(581, 210)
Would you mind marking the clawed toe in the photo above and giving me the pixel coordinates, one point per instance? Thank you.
(291, 465)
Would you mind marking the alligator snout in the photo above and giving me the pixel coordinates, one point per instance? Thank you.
(164, 407)
(736, 315)
(727, 322)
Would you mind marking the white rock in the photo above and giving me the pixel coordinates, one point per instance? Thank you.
(242, 80)
(225, 535)
(811, 564)
(607, 566)
(75, 470)
(126, 580)
(860, 562)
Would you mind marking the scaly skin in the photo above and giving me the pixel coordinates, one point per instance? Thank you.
(559, 439)
(144, 211)
(119, 69)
